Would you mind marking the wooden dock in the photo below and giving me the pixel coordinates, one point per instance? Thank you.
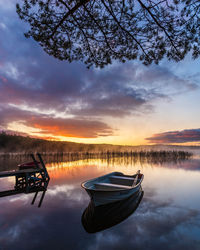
(19, 172)
(31, 180)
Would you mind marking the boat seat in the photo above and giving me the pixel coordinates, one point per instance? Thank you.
(122, 177)
(110, 186)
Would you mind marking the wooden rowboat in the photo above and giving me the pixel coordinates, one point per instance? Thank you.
(112, 187)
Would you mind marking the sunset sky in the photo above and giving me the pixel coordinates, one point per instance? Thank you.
(123, 104)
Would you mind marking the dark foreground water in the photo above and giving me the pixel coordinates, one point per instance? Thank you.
(167, 216)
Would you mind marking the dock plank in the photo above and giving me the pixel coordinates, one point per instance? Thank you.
(19, 172)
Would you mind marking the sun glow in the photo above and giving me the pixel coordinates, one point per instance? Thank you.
(20, 127)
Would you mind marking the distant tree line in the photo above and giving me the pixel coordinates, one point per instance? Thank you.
(25, 145)
(21, 144)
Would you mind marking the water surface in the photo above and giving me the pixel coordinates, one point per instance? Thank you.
(168, 216)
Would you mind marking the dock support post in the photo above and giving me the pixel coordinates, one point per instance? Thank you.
(41, 199)
(34, 198)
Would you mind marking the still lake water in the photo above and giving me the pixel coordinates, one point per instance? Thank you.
(168, 216)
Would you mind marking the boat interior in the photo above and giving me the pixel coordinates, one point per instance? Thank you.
(115, 182)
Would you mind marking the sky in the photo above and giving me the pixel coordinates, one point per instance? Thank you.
(127, 104)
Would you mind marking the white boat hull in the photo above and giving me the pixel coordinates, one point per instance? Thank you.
(102, 197)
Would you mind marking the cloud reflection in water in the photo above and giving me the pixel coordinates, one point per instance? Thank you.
(160, 222)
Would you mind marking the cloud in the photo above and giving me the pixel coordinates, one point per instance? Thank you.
(32, 79)
(187, 135)
(49, 126)
(81, 128)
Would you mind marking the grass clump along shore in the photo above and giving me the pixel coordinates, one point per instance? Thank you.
(17, 144)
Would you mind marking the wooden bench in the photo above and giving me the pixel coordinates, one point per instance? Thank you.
(122, 177)
(110, 186)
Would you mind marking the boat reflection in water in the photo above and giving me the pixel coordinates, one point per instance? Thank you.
(98, 218)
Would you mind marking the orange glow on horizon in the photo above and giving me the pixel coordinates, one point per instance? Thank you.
(54, 133)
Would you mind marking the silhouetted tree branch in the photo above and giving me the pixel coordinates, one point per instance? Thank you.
(100, 31)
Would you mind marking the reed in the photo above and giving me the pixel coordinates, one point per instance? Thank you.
(10, 161)
(70, 156)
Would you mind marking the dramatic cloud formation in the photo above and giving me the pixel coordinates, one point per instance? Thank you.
(68, 97)
(187, 135)
(51, 126)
